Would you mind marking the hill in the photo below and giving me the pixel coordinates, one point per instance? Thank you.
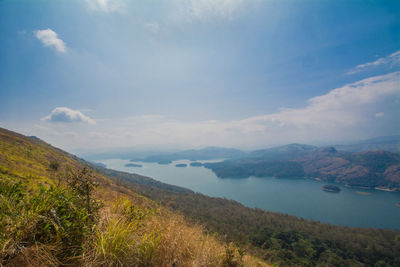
(282, 152)
(56, 210)
(373, 169)
(195, 154)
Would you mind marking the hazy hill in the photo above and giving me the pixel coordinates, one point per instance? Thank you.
(282, 152)
(388, 143)
(195, 154)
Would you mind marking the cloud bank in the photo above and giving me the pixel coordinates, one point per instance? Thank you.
(359, 110)
(67, 115)
(50, 38)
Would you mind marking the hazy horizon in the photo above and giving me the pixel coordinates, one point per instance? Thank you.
(102, 75)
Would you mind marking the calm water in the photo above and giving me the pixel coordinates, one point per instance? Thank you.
(299, 197)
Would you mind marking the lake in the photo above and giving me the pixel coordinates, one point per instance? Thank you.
(294, 196)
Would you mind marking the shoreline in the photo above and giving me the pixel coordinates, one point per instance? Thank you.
(385, 189)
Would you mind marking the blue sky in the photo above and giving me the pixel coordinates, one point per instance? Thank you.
(97, 74)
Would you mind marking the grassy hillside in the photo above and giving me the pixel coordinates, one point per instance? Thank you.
(55, 210)
(32, 158)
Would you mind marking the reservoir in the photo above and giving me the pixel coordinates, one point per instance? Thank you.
(295, 196)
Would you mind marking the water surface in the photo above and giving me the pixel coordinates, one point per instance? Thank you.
(294, 196)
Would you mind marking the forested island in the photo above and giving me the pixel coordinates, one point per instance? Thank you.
(331, 188)
(181, 165)
(195, 154)
(133, 165)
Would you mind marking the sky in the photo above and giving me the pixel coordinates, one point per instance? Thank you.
(88, 75)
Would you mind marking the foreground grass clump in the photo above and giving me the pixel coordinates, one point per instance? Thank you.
(49, 223)
(66, 225)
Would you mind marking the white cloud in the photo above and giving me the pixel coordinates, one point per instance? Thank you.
(63, 114)
(107, 6)
(49, 38)
(345, 113)
(392, 59)
(340, 106)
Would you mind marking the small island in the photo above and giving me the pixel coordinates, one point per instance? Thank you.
(133, 165)
(196, 164)
(331, 188)
(181, 165)
(164, 162)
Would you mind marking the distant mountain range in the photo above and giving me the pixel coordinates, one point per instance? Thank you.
(372, 163)
(388, 143)
(282, 152)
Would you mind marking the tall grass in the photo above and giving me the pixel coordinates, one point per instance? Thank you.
(55, 226)
(131, 236)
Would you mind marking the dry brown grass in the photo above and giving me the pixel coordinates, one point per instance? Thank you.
(130, 230)
(36, 255)
(144, 234)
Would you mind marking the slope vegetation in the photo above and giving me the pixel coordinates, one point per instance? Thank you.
(55, 209)
(279, 238)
